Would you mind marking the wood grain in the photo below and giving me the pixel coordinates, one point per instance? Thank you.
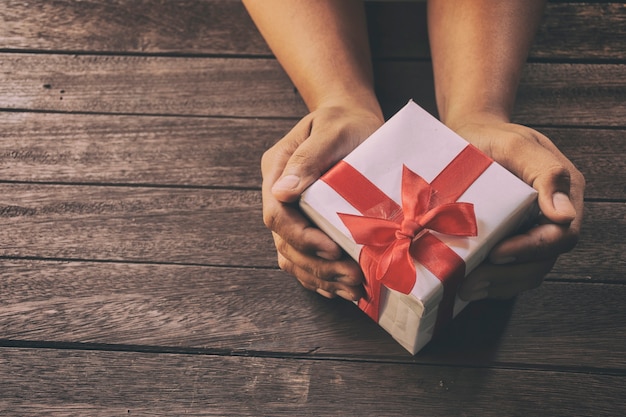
(135, 224)
(581, 95)
(147, 85)
(569, 31)
(123, 26)
(137, 275)
(208, 227)
(566, 325)
(600, 154)
(397, 29)
(550, 94)
(214, 152)
(62, 383)
(222, 227)
(97, 149)
(600, 254)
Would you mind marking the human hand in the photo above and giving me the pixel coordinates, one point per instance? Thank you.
(521, 262)
(316, 143)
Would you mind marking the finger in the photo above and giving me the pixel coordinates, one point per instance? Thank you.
(542, 242)
(498, 281)
(285, 219)
(275, 159)
(319, 147)
(326, 288)
(289, 222)
(538, 162)
(312, 158)
(553, 187)
(345, 270)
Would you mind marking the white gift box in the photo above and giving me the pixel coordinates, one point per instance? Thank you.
(416, 140)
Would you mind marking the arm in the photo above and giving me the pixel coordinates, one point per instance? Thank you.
(323, 47)
(479, 48)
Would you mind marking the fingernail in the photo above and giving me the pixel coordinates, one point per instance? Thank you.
(504, 260)
(563, 205)
(329, 256)
(286, 183)
(325, 293)
(345, 294)
(348, 280)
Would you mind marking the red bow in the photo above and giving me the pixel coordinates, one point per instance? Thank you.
(394, 237)
(399, 241)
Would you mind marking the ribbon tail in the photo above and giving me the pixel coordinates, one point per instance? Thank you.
(397, 268)
(455, 219)
(447, 266)
(370, 304)
(370, 231)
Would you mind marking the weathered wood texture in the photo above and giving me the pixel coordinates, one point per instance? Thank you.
(214, 152)
(147, 85)
(208, 227)
(569, 30)
(138, 278)
(222, 27)
(221, 227)
(239, 310)
(78, 383)
(106, 149)
(561, 94)
(549, 94)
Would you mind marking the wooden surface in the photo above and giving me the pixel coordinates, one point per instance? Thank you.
(138, 278)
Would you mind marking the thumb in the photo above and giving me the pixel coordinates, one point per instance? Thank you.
(538, 162)
(303, 168)
(554, 201)
(308, 162)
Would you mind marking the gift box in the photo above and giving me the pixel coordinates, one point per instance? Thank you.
(419, 208)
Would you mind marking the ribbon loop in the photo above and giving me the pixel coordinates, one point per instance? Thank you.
(409, 229)
(395, 237)
(399, 236)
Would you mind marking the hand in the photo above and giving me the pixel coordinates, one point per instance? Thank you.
(316, 143)
(521, 262)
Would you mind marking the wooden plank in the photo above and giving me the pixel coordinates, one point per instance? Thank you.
(584, 94)
(153, 85)
(200, 226)
(122, 26)
(582, 31)
(70, 148)
(213, 152)
(66, 383)
(550, 94)
(570, 325)
(600, 154)
(221, 227)
(397, 29)
(593, 258)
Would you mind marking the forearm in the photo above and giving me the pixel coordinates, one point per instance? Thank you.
(478, 49)
(323, 47)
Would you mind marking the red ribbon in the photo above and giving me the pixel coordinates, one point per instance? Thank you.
(394, 236)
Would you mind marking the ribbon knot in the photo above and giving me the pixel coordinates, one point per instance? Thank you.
(409, 229)
(395, 242)
(394, 237)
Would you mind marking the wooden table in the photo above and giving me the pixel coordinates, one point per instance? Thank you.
(138, 278)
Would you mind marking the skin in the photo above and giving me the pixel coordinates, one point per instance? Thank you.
(323, 47)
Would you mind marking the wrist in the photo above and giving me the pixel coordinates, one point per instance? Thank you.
(476, 116)
(364, 101)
